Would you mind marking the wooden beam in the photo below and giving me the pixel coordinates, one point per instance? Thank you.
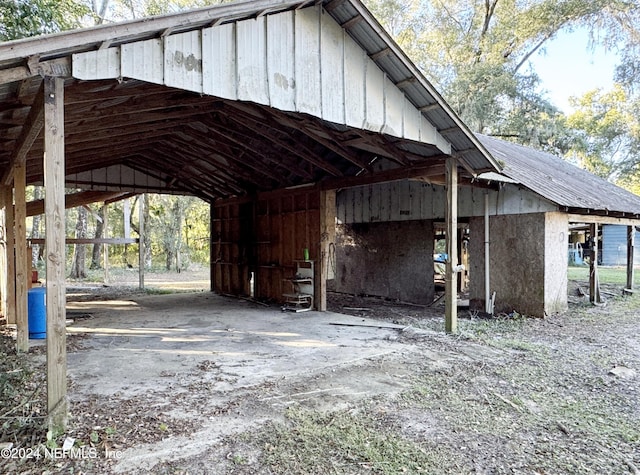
(30, 131)
(141, 232)
(9, 284)
(36, 207)
(11, 256)
(451, 223)
(54, 162)
(307, 127)
(327, 238)
(594, 281)
(60, 67)
(70, 241)
(631, 242)
(394, 174)
(592, 218)
(3, 256)
(22, 261)
(105, 246)
(297, 149)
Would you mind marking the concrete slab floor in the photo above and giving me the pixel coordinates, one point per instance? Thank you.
(145, 343)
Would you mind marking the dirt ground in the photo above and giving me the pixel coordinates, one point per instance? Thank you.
(194, 383)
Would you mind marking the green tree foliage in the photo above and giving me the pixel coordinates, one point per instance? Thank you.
(118, 10)
(476, 53)
(609, 128)
(24, 18)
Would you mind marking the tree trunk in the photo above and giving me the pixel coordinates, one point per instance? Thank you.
(78, 269)
(36, 249)
(96, 261)
(147, 232)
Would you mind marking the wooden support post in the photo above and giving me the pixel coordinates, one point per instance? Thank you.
(594, 282)
(22, 260)
(11, 255)
(631, 243)
(327, 238)
(212, 258)
(3, 257)
(54, 169)
(105, 248)
(451, 227)
(141, 242)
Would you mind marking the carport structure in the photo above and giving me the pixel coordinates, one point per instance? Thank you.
(262, 108)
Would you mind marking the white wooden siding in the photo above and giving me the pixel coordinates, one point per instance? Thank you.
(219, 61)
(281, 64)
(252, 61)
(183, 61)
(413, 200)
(143, 60)
(300, 61)
(100, 64)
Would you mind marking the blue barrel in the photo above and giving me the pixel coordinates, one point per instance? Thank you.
(37, 311)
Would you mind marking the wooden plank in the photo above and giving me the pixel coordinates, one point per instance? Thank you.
(89, 241)
(251, 61)
(281, 61)
(585, 218)
(54, 168)
(11, 256)
(451, 223)
(22, 260)
(307, 61)
(76, 199)
(424, 170)
(631, 242)
(55, 67)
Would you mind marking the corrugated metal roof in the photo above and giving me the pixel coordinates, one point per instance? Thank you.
(351, 14)
(560, 181)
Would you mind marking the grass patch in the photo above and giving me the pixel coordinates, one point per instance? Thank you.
(344, 442)
(607, 275)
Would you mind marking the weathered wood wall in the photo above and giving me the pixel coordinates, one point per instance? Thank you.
(264, 236)
(409, 200)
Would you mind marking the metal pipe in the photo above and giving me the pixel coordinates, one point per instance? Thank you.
(487, 298)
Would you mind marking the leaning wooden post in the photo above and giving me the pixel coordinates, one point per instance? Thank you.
(22, 260)
(54, 167)
(631, 243)
(327, 237)
(594, 282)
(141, 243)
(451, 226)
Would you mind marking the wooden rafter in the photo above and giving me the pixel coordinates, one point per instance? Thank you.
(297, 149)
(308, 128)
(256, 144)
(76, 199)
(34, 124)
